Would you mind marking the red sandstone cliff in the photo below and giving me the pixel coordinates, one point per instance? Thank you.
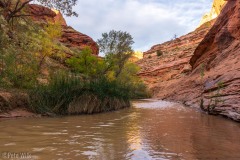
(70, 37)
(219, 53)
(174, 61)
(213, 83)
(74, 39)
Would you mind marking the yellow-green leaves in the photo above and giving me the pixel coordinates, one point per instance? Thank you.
(53, 30)
(84, 63)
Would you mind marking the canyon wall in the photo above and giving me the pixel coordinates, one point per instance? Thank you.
(201, 69)
(218, 55)
(169, 61)
(70, 37)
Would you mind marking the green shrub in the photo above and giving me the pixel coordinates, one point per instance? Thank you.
(202, 70)
(105, 88)
(139, 90)
(55, 96)
(159, 53)
(23, 49)
(17, 61)
(63, 90)
(84, 63)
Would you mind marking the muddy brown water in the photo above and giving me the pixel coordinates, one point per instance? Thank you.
(150, 130)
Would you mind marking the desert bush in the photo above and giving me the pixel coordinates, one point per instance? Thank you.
(63, 91)
(18, 63)
(159, 53)
(24, 48)
(55, 96)
(84, 62)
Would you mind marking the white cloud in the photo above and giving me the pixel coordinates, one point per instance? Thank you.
(149, 21)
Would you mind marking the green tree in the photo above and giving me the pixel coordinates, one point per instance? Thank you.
(18, 60)
(117, 47)
(24, 50)
(46, 38)
(84, 63)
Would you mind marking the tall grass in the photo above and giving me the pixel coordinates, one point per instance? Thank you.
(72, 95)
(105, 88)
(54, 97)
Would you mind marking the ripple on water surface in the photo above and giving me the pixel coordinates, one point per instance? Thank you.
(157, 104)
(151, 130)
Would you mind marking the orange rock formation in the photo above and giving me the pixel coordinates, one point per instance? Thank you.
(70, 37)
(201, 69)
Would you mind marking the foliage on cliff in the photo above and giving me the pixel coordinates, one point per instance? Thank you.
(34, 58)
(18, 60)
(24, 49)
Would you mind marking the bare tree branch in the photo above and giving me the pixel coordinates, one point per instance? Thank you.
(13, 8)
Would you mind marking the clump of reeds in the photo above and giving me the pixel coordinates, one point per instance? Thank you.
(72, 95)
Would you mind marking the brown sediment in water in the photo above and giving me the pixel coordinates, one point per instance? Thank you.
(141, 132)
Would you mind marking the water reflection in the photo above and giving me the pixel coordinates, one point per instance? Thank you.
(151, 130)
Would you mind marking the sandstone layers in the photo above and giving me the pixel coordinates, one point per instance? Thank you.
(70, 37)
(212, 82)
(219, 53)
(174, 61)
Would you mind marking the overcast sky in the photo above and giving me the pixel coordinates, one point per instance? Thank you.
(150, 22)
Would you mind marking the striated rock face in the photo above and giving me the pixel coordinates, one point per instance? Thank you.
(70, 37)
(215, 11)
(74, 39)
(212, 82)
(40, 13)
(219, 54)
(170, 61)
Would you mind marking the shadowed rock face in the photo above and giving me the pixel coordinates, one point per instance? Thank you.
(219, 53)
(70, 37)
(43, 14)
(224, 35)
(214, 81)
